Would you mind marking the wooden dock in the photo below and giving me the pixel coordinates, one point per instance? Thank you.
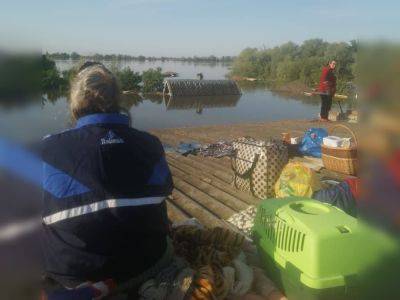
(203, 190)
(203, 185)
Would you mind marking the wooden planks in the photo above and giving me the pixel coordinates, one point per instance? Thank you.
(175, 213)
(195, 210)
(219, 195)
(203, 191)
(201, 167)
(216, 182)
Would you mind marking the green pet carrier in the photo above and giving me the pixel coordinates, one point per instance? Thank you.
(309, 249)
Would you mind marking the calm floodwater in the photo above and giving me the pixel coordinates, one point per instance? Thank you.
(39, 118)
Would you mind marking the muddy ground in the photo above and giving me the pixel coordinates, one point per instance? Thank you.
(262, 130)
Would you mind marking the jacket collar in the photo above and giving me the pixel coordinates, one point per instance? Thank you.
(103, 118)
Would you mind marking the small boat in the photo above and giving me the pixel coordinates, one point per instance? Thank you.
(170, 74)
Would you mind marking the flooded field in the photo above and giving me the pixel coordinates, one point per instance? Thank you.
(256, 104)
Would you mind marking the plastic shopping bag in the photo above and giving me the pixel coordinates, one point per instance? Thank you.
(297, 180)
(312, 140)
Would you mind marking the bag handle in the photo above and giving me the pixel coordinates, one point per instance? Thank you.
(247, 172)
(347, 129)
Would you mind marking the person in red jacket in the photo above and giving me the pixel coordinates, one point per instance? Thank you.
(327, 89)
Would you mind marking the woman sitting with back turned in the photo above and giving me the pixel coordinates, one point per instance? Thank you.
(105, 183)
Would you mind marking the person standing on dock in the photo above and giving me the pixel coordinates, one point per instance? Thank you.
(327, 89)
(105, 188)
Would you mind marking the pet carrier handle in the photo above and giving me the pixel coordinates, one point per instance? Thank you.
(347, 129)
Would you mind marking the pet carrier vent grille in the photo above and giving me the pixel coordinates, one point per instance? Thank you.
(280, 234)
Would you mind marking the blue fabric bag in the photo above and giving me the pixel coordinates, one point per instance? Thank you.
(312, 140)
(340, 196)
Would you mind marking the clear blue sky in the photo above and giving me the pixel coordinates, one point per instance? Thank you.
(189, 27)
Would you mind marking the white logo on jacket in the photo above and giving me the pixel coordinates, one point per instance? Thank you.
(111, 138)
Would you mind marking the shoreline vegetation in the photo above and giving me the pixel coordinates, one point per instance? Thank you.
(32, 77)
(130, 82)
(289, 68)
(295, 68)
(121, 57)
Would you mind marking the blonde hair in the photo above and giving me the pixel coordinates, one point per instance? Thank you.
(94, 90)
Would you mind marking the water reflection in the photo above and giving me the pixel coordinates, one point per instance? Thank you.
(128, 101)
(198, 103)
(39, 115)
(31, 99)
(7, 103)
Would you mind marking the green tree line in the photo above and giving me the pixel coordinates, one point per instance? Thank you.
(292, 62)
(149, 81)
(120, 57)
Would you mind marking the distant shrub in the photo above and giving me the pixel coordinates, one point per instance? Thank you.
(69, 74)
(152, 80)
(51, 79)
(128, 80)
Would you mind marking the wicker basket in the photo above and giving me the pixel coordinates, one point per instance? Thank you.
(342, 160)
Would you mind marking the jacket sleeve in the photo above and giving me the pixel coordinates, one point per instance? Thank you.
(169, 184)
(161, 178)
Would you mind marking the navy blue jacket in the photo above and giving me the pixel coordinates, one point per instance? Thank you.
(104, 212)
